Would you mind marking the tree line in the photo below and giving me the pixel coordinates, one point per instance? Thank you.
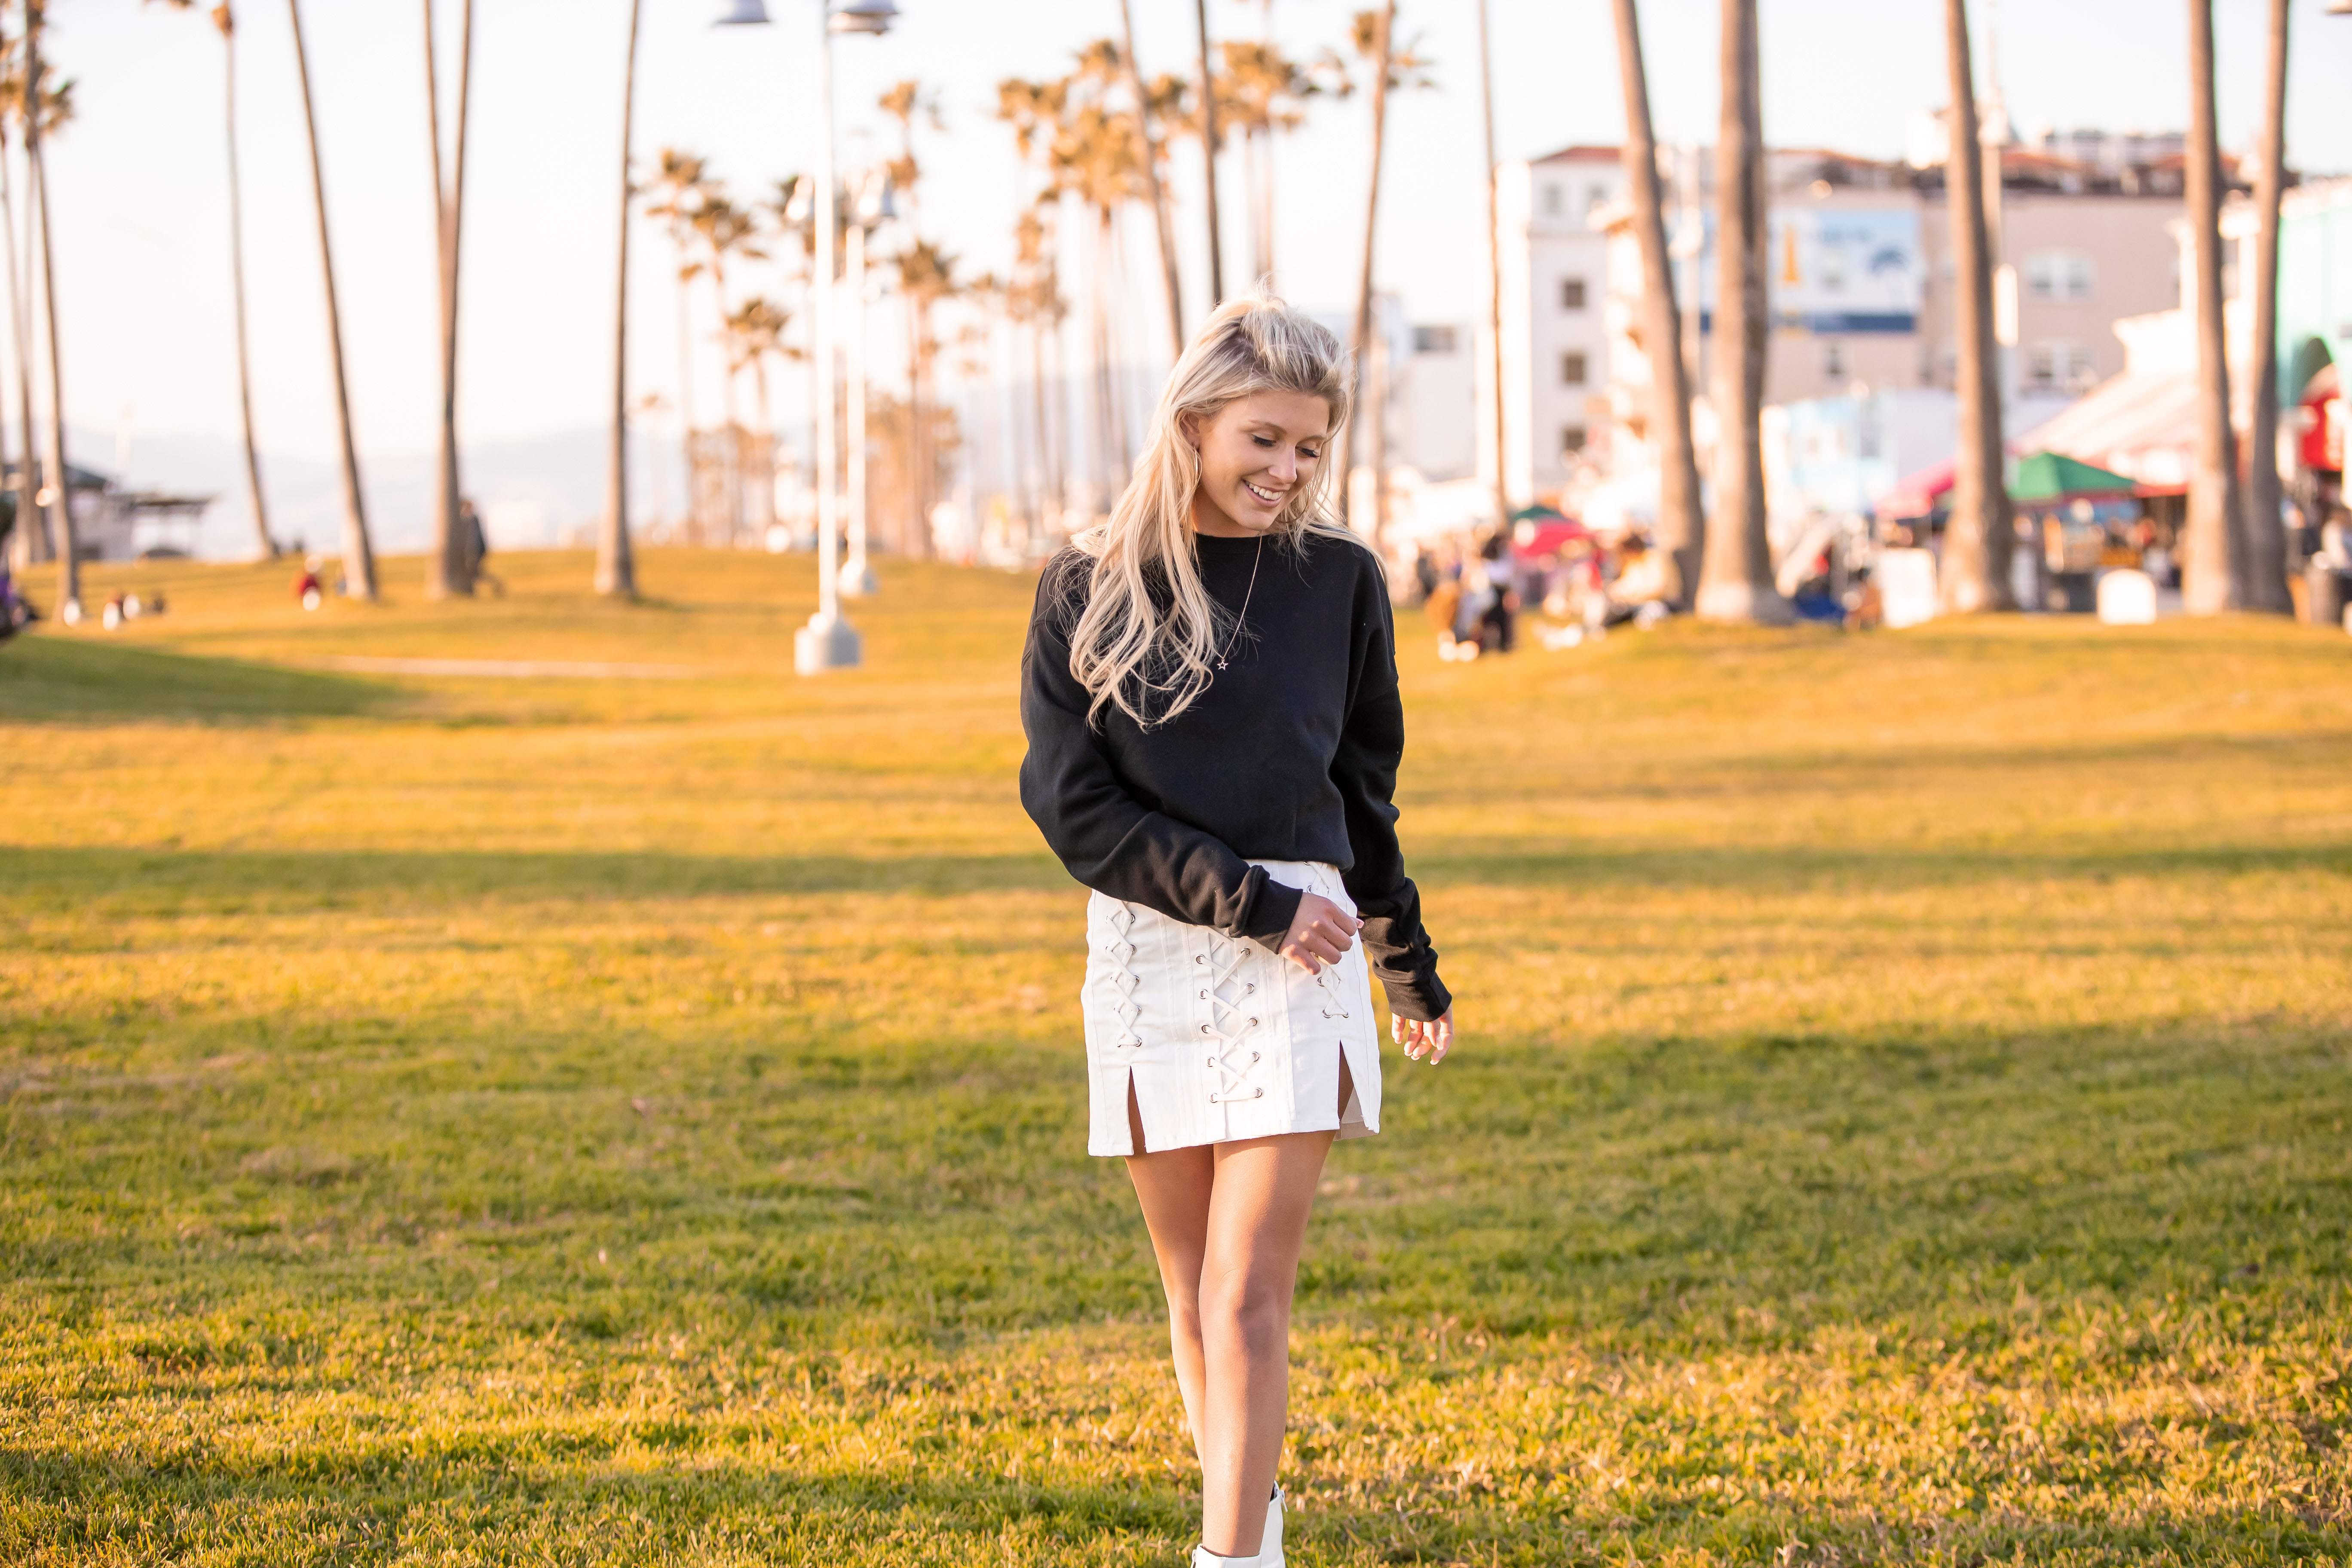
(2234, 545)
(1101, 136)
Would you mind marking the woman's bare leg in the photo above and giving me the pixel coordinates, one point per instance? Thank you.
(1174, 1188)
(1258, 1206)
(1227, 1224)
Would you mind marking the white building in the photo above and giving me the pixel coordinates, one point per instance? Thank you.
(1554, 266)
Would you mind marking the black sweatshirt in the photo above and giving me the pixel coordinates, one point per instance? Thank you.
(1290, 754)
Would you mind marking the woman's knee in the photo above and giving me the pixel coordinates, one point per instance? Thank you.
(1251, 1309)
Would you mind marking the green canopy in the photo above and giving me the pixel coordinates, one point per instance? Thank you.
(2046, 476)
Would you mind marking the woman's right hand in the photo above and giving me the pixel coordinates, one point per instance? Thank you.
(1319, 932)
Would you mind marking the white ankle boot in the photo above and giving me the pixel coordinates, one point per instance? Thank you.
(1269, 1546)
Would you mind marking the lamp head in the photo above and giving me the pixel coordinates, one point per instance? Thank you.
(742, 14)
(872, 16)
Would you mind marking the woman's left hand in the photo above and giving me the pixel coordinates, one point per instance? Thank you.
(1435, 1037)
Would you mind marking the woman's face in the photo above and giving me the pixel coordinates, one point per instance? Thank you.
(1256, 454)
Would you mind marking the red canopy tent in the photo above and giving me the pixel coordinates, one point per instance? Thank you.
(1917, 496)
(1541, 530)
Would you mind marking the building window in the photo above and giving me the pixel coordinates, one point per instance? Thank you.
(2056, 275)
(1571, 293)
(2060, 368)
(1555, 202)
(1572, 439)
(1834, 358)
(1571, 369)
(1434, 341)
(1595, 197)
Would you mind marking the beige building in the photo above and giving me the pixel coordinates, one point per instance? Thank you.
(1555, 348)
(2081, 264)
(1860, 277)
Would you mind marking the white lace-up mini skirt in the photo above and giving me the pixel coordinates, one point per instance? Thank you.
(1222, 1038)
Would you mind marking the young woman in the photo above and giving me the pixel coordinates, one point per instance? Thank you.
(1210, 694)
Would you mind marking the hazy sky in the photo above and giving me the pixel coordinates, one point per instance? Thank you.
(139, 184)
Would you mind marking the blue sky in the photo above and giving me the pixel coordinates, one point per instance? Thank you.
(138, 181)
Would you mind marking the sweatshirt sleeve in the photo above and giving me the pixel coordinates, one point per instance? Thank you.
(1365, 768)
(1106, 839)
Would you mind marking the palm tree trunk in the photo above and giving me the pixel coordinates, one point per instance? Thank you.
(1106, 405)
(57, 478)
(263, 542)
(59, 475)
(686, 387)
(1151, 179)
(31, 539)
(1680, 526)
(449, 565)
(1048, 504)
(1359, 342)
(1736, 570)
(359, 554)
(616, 563)
(1974, 573)
(2265, 539)
(728, 370)
(763, 469)
(2213, 568)
(1494, 257)
(1209, 163)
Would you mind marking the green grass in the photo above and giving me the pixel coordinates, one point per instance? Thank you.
(1901, 1116)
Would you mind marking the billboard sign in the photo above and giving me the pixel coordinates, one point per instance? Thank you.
(1844, 271)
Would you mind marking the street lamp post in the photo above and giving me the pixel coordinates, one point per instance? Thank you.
(871, 204)
(828, 641)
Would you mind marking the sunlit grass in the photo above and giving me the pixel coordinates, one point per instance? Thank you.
(1903, 1115)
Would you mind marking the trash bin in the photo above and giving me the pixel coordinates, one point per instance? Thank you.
(2322, 594)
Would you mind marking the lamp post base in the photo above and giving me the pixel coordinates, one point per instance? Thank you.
(827, 642)
(857, 580)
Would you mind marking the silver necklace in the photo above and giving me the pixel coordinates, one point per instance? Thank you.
(1252, 593)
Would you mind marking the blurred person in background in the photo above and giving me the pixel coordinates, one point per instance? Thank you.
(477, 547)
(1499, 614)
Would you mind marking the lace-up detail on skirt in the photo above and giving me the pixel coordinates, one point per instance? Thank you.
(1227, 1019)
(1219, 1038)
(1120, 949)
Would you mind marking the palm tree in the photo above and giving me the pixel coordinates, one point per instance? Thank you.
(2265, 543)
(1102, 60)
(907, 102)
(1373, 35)
(1210, 145)
(903, 103)
(1681, 527)
(1978, 537)
(1735, 568)
(359, 552)
(42, 112)
(755, 333)
(1261, 91)
(2213, 566)
(725, 229)
(1032, 109)
(926, 278)
(684, 184)
(449, 565)
(1099, 155)
(31, 541)
(616, 564)
(222, 18)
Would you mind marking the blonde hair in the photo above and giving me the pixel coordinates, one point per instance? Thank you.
(1129, 650)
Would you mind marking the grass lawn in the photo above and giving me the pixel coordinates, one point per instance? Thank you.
(1901, 1116)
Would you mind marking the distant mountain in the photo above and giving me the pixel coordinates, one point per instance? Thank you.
(532, 493)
